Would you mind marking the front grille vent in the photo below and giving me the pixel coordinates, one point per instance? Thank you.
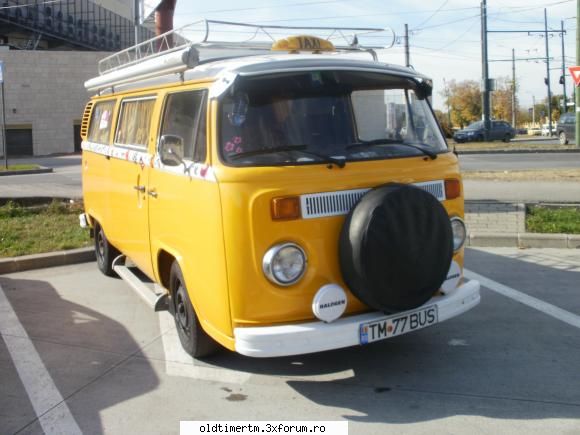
(325, 204)
(85, 121)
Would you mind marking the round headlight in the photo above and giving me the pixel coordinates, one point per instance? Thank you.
(284, 264)
(459, 233)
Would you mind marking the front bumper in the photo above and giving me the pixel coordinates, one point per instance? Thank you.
(269, 341)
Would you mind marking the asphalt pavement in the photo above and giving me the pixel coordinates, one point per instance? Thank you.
(64, 182)
(81, 353)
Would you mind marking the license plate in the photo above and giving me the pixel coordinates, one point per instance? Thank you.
(397, 324)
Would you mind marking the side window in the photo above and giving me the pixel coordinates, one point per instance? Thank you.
(134, 122)
(101, 120)
(185, 117)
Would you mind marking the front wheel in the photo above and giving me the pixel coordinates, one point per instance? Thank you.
(193, 338)
(104, 252)
(562, 138)
(507, 138)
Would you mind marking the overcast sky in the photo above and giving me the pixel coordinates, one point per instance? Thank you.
(445, 34)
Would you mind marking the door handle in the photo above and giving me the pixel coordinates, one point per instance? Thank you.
(139, 188)
(152, 193)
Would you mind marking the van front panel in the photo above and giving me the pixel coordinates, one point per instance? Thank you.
(249, 229)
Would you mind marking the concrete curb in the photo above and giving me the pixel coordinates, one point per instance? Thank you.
(40, 170)
(50, 259)
(523, 240)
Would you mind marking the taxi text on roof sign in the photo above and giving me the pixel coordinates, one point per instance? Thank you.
(303, 43)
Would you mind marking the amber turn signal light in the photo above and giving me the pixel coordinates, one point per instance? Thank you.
(452, 189)
(286, 208)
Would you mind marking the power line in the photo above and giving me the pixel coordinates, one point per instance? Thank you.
(29, 4)
(433, 14)
(445, 23)
(381, 14)
(281, 5)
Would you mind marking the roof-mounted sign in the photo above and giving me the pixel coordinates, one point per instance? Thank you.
(295, 44)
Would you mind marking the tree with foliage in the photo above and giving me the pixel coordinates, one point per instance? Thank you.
(443, 120)
(501, 99)
(464, 100)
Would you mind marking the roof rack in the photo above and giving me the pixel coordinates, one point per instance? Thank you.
(179, 50)
(200, 34)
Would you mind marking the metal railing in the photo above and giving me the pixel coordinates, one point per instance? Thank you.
(243, 36)
(80, 23)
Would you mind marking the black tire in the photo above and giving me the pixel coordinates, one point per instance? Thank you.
(193, 338)
(480, 138)
(507, 138)
(562, 138)
(396, 248)
(104, 252)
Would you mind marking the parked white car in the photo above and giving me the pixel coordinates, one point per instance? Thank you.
(546, 129)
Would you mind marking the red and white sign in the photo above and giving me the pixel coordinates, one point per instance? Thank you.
(575, 72)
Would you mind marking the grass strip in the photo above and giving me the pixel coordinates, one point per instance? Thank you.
(21, 167)
(565, 220)
(33, 230)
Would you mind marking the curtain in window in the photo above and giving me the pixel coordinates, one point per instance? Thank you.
(134, 122)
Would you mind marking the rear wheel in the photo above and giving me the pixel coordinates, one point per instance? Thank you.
(193, 338)
(562, 138)
(104, 251)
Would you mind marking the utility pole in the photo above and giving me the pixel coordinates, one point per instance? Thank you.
(136, 7)
(534, 111)
(513, 88)
(407, 52)
(577, 63)
(448, 107)
(563, 69)
(485, 71)
(548, 72)
(4, 144)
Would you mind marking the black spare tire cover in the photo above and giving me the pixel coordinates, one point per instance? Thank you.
(396, 247)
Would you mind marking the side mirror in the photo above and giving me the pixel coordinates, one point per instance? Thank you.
(170, 150)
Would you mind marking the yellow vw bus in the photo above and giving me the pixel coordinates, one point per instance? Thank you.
(288, 202)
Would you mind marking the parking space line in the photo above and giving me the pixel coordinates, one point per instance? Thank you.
(42, 392)
(530, 301)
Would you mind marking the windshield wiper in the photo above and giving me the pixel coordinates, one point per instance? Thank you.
(300, 148)
(365, 143)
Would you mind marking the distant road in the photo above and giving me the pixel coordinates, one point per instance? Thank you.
(65, 182)
(503, 162)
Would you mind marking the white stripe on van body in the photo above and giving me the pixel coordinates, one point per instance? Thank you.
(200, 171)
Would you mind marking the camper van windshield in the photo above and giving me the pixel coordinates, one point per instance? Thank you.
(325, 117)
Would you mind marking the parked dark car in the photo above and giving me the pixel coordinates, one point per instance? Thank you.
(566, 127)
(500, 130)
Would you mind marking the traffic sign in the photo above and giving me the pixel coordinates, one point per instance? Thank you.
(575, 72)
